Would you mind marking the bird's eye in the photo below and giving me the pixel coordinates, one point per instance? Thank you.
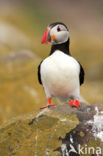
(58, 29)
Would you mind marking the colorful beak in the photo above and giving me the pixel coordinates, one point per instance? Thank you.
(44, 39)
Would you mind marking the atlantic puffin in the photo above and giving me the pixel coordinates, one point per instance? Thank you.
(60, 74)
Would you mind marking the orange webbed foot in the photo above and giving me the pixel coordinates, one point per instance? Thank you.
(48, 105)
(74, 103)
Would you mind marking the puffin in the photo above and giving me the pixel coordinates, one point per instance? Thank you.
(60, 74)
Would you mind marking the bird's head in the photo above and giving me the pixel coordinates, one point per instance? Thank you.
(56, 33)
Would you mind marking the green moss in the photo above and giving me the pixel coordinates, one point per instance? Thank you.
(42, 135)
(82, 134)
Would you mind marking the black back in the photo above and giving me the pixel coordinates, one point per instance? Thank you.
(81, 75)
(39, 75)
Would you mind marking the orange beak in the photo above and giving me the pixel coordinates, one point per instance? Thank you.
(44, 39)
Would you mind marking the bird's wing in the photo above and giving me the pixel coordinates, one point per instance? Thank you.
(81, 75)
(39, 74)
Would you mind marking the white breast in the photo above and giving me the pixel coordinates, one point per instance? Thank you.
(60, 76)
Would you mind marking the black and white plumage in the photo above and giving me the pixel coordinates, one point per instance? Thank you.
(60, 74)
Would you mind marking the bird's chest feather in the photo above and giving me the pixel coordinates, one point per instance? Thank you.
(59, 69)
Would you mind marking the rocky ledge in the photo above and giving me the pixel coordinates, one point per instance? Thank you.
(57, 131)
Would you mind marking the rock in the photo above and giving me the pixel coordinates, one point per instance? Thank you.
(57, 131)
(18, 95)
(95, 71)
(12, 37)
(17, 55)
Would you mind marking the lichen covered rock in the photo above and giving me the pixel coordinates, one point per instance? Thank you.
(49, 132)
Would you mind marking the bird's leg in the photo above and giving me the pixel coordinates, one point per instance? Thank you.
(74, 103)
(48, 105)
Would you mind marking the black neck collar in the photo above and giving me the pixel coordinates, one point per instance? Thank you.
(64, 47)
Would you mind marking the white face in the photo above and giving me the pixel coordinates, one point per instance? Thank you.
(61, 34)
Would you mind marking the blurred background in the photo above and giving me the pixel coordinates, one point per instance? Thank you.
(22, 24)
